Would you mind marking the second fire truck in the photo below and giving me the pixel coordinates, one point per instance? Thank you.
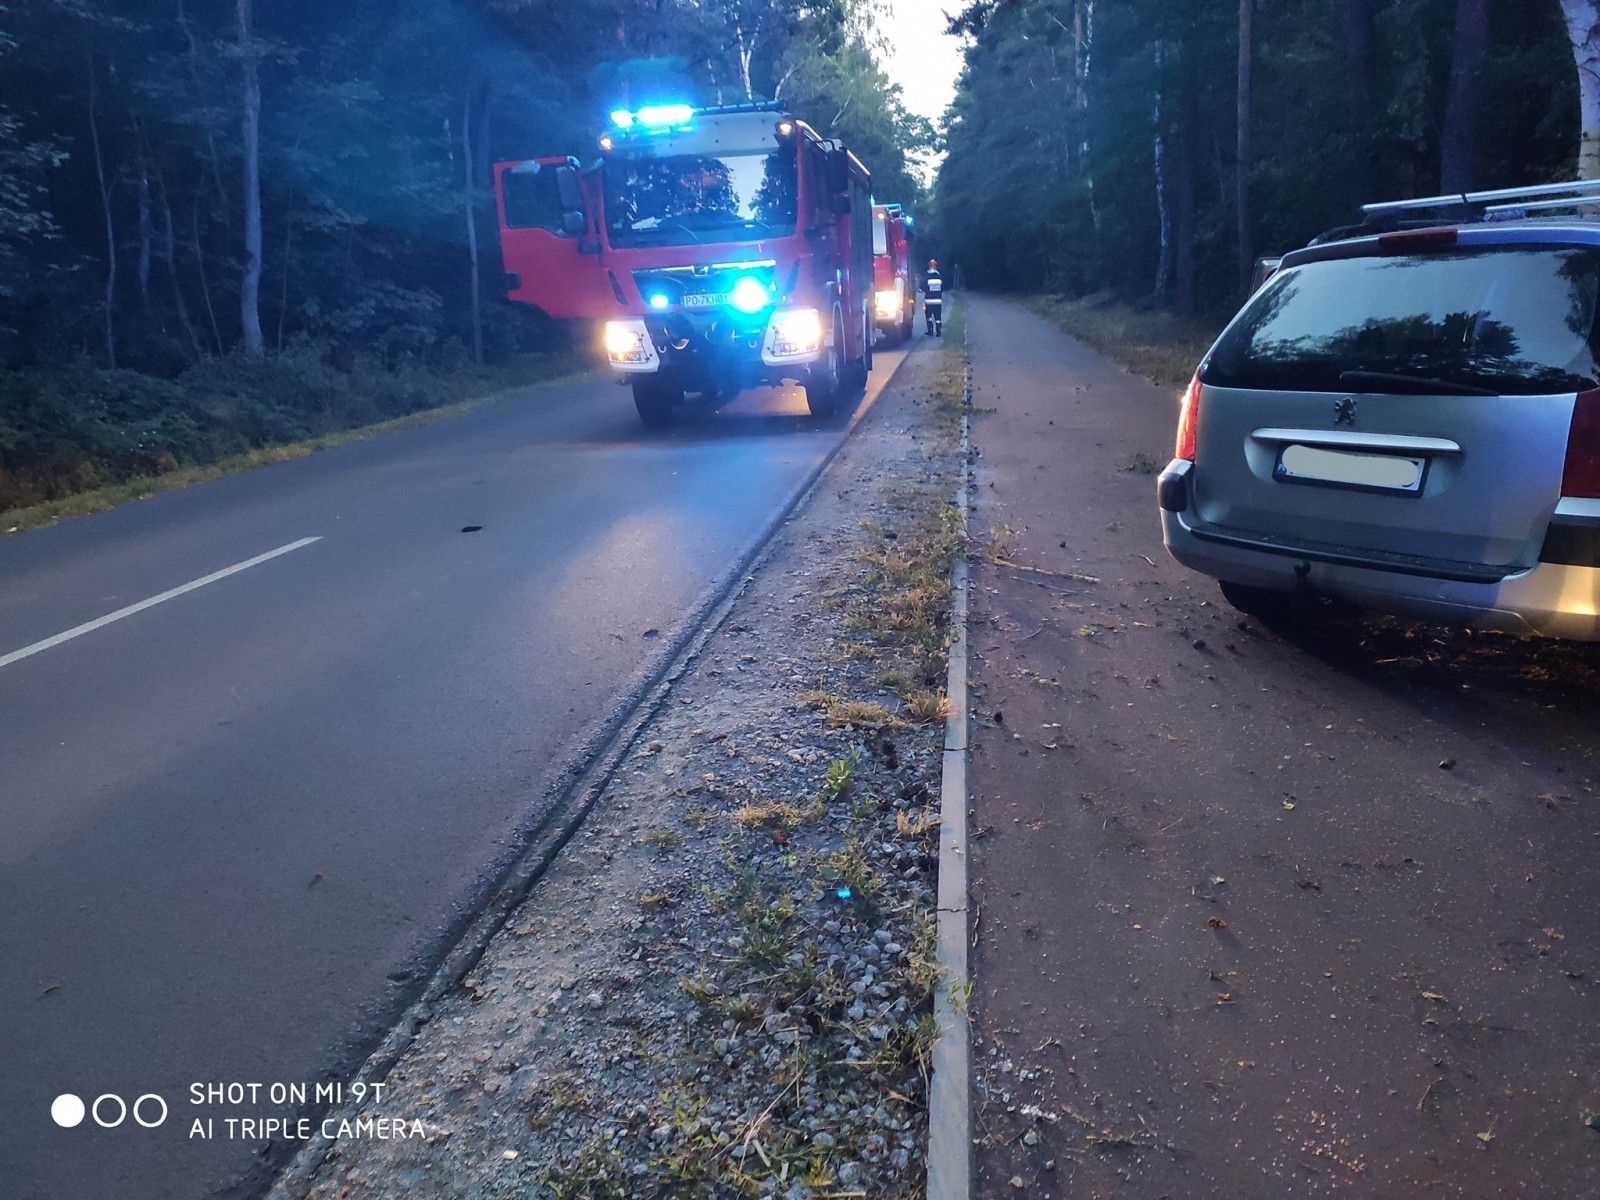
(722, 248)
(895, 293)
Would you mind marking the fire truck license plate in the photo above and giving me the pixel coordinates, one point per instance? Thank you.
(717, 300)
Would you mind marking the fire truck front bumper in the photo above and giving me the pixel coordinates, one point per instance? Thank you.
(787, 339)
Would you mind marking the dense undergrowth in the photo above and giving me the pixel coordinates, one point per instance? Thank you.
(68, 431)
(1152, 342)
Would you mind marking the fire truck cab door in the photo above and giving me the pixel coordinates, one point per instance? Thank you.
(549, 239)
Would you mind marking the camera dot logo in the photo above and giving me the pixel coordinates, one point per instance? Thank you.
(109, 1110)
(67, 1110)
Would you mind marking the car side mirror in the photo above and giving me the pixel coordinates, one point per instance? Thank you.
(572, 223)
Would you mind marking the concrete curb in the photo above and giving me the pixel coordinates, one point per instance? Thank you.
(950, 1095)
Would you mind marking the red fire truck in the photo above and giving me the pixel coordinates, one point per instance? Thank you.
(894, 292)
(723, 248)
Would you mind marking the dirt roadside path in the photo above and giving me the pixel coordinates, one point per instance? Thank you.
(723, 985)
(1257, 914)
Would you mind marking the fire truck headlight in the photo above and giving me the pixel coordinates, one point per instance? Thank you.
(627, 342)
(888, 304)
(750, 295)
(793, 332)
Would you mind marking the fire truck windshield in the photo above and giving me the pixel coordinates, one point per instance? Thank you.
(680, 199)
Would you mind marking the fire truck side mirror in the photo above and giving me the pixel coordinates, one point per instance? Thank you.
(572, 223)
(568, 188)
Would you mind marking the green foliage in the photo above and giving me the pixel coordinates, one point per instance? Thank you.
(1050, 183)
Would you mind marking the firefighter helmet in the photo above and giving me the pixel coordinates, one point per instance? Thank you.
(933, 264)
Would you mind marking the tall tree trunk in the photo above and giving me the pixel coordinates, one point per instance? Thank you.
(170, 255)
(1085, 12)
(746, 50)
(1242, 149)
(1583, 31)
(1359, 34)
(1458, 145)
(105, 207)
(1185, 178)
(250, 287)
(146, 232)
(213, 158)
(200, 267)
(283, 294)
(468, 197)
(1163, 283)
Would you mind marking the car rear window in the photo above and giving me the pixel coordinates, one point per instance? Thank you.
(1503, 320)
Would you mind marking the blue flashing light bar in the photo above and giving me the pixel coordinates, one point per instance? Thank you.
(662, 115)
(654, 116)
(659, 301)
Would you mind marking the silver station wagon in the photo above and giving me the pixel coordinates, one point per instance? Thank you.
(1408, 419)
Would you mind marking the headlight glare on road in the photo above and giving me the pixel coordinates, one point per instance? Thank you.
(795, 331)
(627, 342)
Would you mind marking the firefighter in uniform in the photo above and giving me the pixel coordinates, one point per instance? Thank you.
(933, 299)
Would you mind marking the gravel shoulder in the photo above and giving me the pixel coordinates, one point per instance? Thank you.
(723, 985)
(1298, 911)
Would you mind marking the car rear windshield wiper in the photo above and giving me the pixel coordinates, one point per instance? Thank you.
(1416, 385)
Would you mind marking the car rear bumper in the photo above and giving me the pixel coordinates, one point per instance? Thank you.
(1553, 599)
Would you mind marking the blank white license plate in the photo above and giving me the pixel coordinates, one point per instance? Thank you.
(695, 300)
(1382, 472)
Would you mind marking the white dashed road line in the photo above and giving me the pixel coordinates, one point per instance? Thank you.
(90, 626)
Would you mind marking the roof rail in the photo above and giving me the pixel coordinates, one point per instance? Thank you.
(1509, 212)
(1479, 204)
(753, 106)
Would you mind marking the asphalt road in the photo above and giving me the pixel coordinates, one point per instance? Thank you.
(1309, 910)
(235, 824)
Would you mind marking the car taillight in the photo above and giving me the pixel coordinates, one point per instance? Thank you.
(1188, 416)
(1581, 475)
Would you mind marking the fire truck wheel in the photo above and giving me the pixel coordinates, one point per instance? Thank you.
(822, 388)
(654, 398)
(861, 367)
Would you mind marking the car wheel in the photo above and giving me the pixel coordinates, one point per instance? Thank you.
(1262, 603)
(655, 399)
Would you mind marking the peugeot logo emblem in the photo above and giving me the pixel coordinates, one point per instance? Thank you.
(1344, 411)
